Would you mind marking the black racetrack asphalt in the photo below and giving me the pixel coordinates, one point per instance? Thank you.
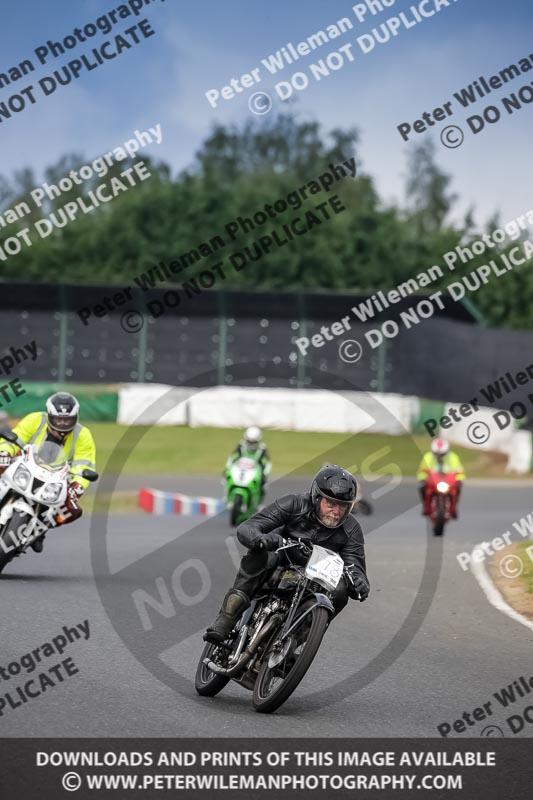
(426, 647)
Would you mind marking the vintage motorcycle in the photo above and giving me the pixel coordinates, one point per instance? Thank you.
(33, 490)
(440, 499)
(276, 639)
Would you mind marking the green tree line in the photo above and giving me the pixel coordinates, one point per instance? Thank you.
(237, 170)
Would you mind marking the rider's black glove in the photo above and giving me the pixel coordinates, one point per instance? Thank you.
(360, 589)
(268, 541)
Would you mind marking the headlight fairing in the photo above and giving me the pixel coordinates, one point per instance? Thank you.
(50, 493)
(21, 478)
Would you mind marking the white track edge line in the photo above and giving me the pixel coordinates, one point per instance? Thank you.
(494, 596)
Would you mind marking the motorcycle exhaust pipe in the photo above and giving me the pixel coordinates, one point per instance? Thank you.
(248, 653)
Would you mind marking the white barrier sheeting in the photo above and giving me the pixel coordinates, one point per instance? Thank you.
(282, 409)
(404, 409)
(237, 407)
(301, 410)
(481, 431)
(136, 404)
(520, 453)
(471, 431)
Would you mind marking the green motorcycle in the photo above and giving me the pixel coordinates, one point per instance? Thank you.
(243, 489)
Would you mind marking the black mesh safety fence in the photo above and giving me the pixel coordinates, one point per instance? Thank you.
(96, 334)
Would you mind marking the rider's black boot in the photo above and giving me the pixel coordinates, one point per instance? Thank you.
(235, 602)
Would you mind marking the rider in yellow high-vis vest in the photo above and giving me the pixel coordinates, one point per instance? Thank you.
(440, 457)
(59, 423)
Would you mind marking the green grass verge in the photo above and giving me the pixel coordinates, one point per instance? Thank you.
(121, 503)
(527, 575)
(153, 450)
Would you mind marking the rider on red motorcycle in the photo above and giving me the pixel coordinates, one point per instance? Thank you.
(440, 459)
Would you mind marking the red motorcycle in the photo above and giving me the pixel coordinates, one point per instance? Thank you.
(440, 499)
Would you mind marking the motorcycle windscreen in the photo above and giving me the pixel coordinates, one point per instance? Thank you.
(50, 455)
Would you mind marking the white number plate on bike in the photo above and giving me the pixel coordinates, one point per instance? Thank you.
(325, 567)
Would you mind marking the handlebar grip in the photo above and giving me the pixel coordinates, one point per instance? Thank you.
(257, 545)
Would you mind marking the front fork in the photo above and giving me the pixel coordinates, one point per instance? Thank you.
(320, 599)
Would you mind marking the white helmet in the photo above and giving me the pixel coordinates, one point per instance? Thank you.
(252, 437)
(440, 447)
(62, 410)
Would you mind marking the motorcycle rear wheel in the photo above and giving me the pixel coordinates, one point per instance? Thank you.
(307, 638)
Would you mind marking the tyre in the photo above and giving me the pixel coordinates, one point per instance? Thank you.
(235, 512)
(363, 507)
(438, 525)
(5, 558)
(206, 682)
(7, 551)
(274, 685)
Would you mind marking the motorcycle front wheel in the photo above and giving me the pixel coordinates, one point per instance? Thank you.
(208, 683)
(283, 668)
(235, 512)
(8, 550)
(5, 558)
(438, 525)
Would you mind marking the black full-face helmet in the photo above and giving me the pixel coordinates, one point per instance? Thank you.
(62, 409)
(338, 486)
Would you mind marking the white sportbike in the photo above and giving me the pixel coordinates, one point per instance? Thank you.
(33, 491)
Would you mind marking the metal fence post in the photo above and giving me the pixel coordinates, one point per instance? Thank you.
(141, 364)
(300, 372)
(222, 339)
(382, 359)
(62, 352)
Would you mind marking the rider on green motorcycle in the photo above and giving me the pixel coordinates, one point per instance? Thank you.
(252, 446)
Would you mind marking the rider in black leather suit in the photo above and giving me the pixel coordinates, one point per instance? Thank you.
(320, 517)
